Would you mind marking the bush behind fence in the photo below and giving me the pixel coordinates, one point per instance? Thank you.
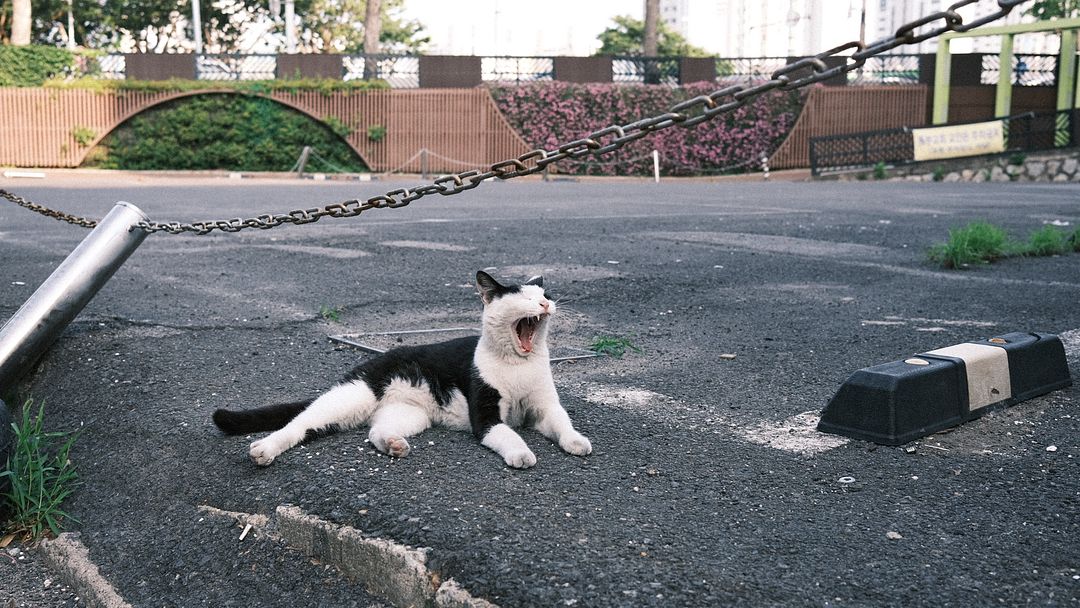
(548, 113)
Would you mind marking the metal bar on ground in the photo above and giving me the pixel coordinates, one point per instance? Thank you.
(36, 325)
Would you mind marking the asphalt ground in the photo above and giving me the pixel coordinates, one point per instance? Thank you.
(707, 485)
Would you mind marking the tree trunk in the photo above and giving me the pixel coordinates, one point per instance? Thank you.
(20, 22)
(652, 17)
(372, 31)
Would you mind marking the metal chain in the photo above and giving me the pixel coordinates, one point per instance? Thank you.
(687, 113)
(43, 210)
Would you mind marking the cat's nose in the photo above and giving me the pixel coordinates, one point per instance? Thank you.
(545, 304)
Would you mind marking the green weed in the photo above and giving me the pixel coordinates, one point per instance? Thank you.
(84, 136)
(338, 126)
(331, 313)
(612, 346)
(40, 474)
(879, 171)
(376, 133)
(1047, 240)
(976, 243)
(1074, 239)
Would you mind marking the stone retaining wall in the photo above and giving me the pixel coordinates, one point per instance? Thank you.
(1059, 166)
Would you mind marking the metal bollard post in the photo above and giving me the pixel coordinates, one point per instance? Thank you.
(36, 325)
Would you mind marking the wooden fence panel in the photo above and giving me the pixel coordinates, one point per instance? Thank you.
(838, 110)
(461, 128)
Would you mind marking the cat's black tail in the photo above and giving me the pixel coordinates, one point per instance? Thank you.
(258, 420)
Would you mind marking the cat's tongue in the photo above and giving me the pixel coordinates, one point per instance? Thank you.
(526, 328)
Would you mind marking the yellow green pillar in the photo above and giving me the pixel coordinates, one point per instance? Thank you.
(1003, 98)
(1067, 92)
(1068, 95)
(942, 75)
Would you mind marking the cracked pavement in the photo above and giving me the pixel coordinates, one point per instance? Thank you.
(707, 485)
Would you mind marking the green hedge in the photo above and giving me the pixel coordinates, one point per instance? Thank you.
(298, 85)
(31, 66)
(222, 131)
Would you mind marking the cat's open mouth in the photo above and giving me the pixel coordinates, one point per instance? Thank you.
(525, 329)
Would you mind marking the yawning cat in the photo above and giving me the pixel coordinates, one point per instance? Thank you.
(488, 383)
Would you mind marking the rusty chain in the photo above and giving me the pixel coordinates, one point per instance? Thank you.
(43, 210)
(687, 113)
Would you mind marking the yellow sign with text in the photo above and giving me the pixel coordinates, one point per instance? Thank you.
(959, 140)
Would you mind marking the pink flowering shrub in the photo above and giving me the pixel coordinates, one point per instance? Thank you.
(548, 114)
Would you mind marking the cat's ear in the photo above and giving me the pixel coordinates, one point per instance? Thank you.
(487, 287)
(538, 280)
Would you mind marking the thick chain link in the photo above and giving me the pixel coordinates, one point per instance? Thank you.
(694, 111)
(43, 210)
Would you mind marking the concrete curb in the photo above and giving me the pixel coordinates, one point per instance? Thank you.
(69, 559)
(394, 572)
(387, 569)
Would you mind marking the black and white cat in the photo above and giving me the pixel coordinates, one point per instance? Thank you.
(488, 383)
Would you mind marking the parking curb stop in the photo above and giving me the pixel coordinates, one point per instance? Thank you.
(898, 402)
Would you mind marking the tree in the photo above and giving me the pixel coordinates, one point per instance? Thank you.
(628, 35)
(339, 26)
(20, 22)
(165, 25)
(650, 35)
(1054, 9)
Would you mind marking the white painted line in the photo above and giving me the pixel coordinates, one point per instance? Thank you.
(426, 245)
(327, 252)
(29, 174)
(798, 435)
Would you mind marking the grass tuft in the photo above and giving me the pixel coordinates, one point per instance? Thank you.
(1074, 240)
(331, 313)
(40, 475)
(1047, 240)
(612, 346)
(976, 243)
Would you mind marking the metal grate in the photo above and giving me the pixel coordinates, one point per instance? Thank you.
(399, 71)
(740, 70)
(381, 341)
(236, 67)
(1026, 132)
(886, 70)
(516, 70)
(646, 70)
(1027, 70)
(111, 67)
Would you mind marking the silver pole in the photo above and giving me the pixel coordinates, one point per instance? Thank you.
(196, 24)
(36, 325)
(290, 26)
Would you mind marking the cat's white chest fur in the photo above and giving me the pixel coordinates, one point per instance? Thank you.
(523, 385)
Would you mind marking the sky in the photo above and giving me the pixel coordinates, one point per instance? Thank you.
(517, 27)
(727, 28)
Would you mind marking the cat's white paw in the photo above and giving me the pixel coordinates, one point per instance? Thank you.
(520, 459)
(576, 444)
(397, 447)
(263, 452)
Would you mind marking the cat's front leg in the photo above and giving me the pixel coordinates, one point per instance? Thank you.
(554, 423)
(505, 442)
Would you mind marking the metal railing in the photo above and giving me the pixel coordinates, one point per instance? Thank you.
(1027, 132)
(403, 71)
